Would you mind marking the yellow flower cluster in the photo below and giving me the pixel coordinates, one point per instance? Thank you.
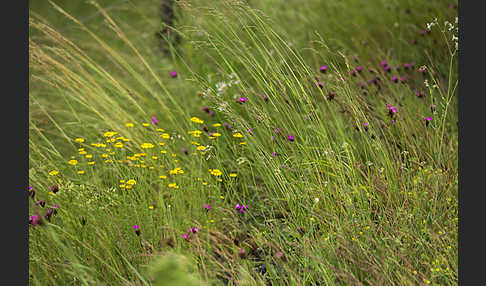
(176, 171)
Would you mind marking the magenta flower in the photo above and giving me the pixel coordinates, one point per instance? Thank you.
(320, 84)
(420, 94)
(395, 79)
(387, 68)
(186, 235)
(291, 138)
(154, 120)
(41, 203)
(391, 110)
(211, 113)
(402, 79)
(241, 208)
(31, 192)
(433, 107)
(173, 74)
(330, 95)
(205, 109)
(242, 253)
(352, 72)
(264, 97)
(35, 220)
(421, 70)
(406, 66)
(194, 230)
(137, 229)
(242, 99)
(276, 130)
(383, 63)
(362, 85)
(54, 188)
(422, 32)
(427, 120)
(207, 207)
(323, 69)
(274, 154)
(228, 126)
(358, 68)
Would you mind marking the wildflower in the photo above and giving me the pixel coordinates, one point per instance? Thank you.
(323, 69)
(131, 182)
(150, 207)
(79, 140)
(427, 120)
(173, 185)
(211, 113)
(194, 230)
(41, 203)
(118, 145)
(406, 66)
(205, 109)
(422, 32)
(237, 135)
(35, 220)
(154, 120)
(110, 134)
(362, 85)
(264, 97)
(233, 175)
(207, 207)
(331, 95)
(163, 177)
(228, 126)
(53, 172)
(420, 94)
(402, 79)
(242, 99)
(216, 124)
(80, 172)
(145, 124)
(395, 78)
(186, 235)
(320, 84)
(387, 68)
(242, 253)
(183, 149)
(433, 107)
(352, 72)
(291, 138)
(196, 120)
(216, 172)
(241, 208)
(147, 145)
(54, 188)
(137, 229)
(358, 68)
(31, 192)
(201, 148)
(49, 213)
(173, 74)
(391, 110)
(274, 154)
(129, 124)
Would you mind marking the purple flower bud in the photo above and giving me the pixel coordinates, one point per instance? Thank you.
(54, 188)
(31, 192)
(362, 84)
(291, 138)
(420, 94)
(323, 69)
(35, 220)
(242, 253)
(427, 120)
(137, 229)
(242, 99)
(402, 79)
(228, 126)
(186, 235)
(406, 66)
(207, 207)
(274, 154)
(154, 120)
(320, 84)
(205, 109)
(211, 113)
(173, 74)
(194, 230)
(264, 97)
(395, 78)
(383, 63)
(352, 72)
(422, 32)
(41, 203)
(358, 68)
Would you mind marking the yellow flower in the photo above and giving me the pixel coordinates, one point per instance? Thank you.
(161, 144)
(53, 172)
(151, 207)
(242, 143)
(195, 143)
(204, 183)
(238, 135)
(83, 153)
(147, 145)
(220, 180)
(126, 140)
(128, 187)
(80, 149)
(232, 175)
(104, 155)
(80, 140)
(165, 136)
(145, 124)
(111, 140)
(216, 125)
(160, 130)
(80, 172)
(201, 148)
(196, 120)
(73, 162)
(163, 177)
(122, 186)
(122, 181)
(118, 145)
(89, 156)
(216, 172)
(221, 197)
(173, 185)
(91, 163)
(131, 182)
(216, 134)
(110, 133)
(211, 221)
(129, 124)
(155, 157)
(163, 152)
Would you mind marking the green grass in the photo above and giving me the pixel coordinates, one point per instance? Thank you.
(345, 204)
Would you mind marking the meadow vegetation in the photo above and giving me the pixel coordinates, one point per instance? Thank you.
(250, 143)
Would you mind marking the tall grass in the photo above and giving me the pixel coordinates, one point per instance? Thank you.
(359, 196)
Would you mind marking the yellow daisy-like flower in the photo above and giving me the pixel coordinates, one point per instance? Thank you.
(221, 197)
(165, 136)
(220, 180)
(80, 149)
(80, 140)
(122, 181)
(126, 140)
(122, 186)
(216, 172)
(216, 125)
(216, 134)
(89, 156)
(53, 172)
(161, 143)
(160, 130)
(112, 153)
(128, 187)
(163, 177)
(163, 152)
(145, 124)
(129, 124)
(131, 182)
(238, 135)
(110, 133)
(111, 140)
(201, 148)
(104, 155)
(91, 163)
(233, 175)
(195, 143)
(80, 172)
(196, 120)
(173, 185)
(204, 183)
(211, 221)
(151, 207)
(242, 143)
(147, 145)
(155, 157)
(118, 145)
(73, 162)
